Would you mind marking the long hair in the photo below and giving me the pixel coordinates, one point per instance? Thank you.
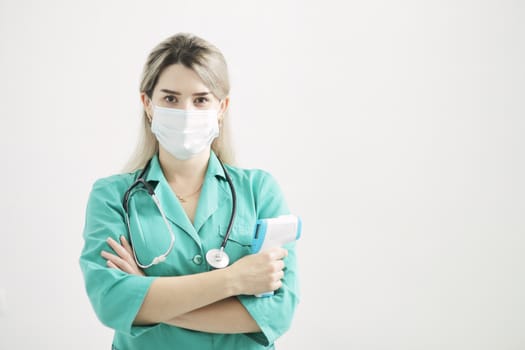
(209, 64)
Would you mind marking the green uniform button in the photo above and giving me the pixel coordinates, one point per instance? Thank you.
(197, 259)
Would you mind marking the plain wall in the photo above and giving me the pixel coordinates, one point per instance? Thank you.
(395, 129)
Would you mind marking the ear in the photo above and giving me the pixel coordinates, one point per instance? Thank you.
(223, 107)
(148, 106)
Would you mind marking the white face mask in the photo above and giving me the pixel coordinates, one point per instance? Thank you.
(182, 133)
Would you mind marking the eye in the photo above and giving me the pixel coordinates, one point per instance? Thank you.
(201, 100)
(170, 99)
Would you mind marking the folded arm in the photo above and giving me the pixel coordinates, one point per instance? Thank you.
(205, 302)
(226, 316)
(169, 297)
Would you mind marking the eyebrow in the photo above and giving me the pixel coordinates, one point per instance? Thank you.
(178, 93)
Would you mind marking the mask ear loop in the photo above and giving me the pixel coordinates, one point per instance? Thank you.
(152, 107)
(220, 119)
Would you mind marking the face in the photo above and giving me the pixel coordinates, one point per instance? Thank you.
(180, 87)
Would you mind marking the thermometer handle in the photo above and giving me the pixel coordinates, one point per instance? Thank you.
(275, 232)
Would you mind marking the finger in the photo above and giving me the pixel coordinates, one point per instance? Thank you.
(277, 276)
(111, 265)
(126, 245)
(115, 259)
(279, 265)
(120, 250)
(278, 253)
(276, 285)
(124, 266)
(131, 261)
(108, 255)
(120, 263)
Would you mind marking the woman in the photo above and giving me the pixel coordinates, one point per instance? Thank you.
(168, 296)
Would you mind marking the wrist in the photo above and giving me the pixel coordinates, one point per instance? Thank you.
(233, 287)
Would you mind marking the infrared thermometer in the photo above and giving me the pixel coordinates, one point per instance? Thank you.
(275, 232)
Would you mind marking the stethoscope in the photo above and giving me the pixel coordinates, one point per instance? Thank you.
(217, 258)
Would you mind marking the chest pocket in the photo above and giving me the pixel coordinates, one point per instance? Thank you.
(239, 243)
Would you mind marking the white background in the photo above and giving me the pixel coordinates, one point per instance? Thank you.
(395, 128)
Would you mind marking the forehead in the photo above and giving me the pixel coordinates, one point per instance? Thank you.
(180, 78)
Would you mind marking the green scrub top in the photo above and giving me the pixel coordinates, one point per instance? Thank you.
(117, 296)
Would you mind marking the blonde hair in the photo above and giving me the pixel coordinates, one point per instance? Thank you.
(209, 64)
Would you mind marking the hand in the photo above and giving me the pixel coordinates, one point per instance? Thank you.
(124, 261)
(259, 273)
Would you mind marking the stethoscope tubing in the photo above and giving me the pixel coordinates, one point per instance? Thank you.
(234, 206)
(151, 192)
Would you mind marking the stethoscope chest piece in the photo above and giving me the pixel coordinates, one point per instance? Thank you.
(217, 258)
